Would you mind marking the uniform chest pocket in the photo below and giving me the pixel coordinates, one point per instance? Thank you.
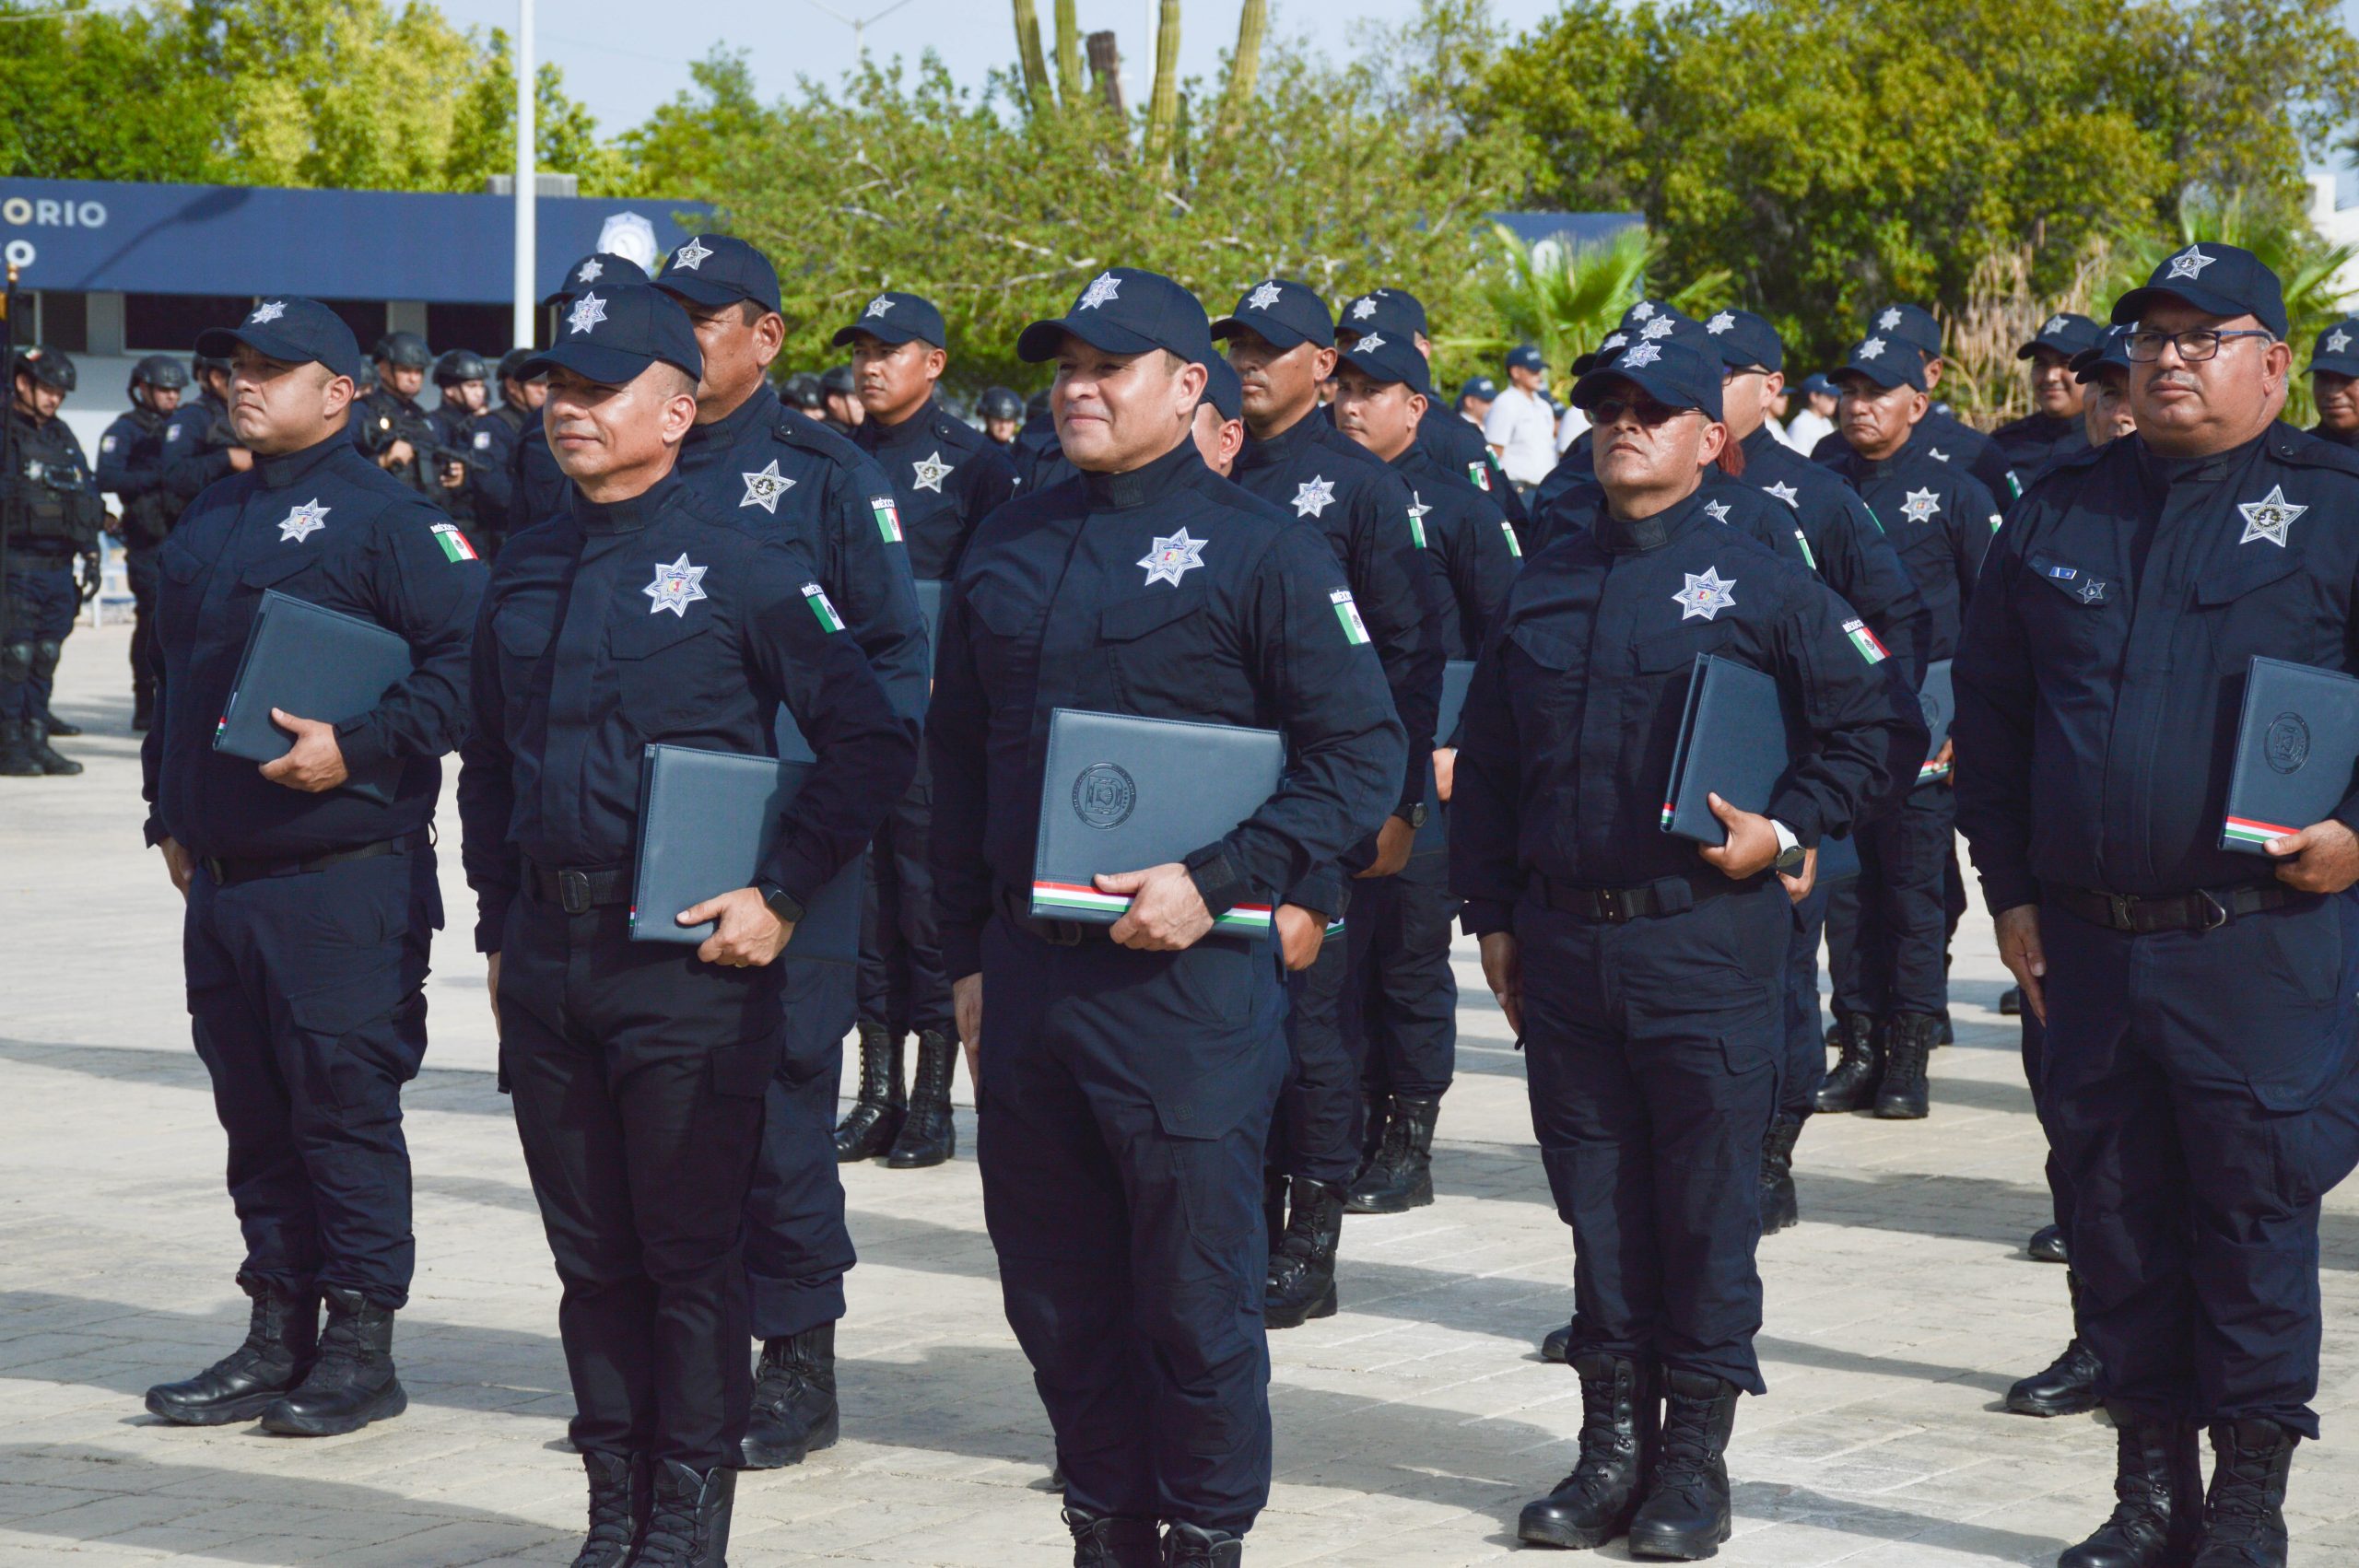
(277, 568)
(669, 668)
(521, 637)
(2223, 583)
(1674, 651)
(180, 600)
(1003, 631)
(1155, 645)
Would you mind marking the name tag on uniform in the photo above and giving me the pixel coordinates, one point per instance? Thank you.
(2072, 580)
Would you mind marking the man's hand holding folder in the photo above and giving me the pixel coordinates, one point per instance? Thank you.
(747, 935)
(1167, 913)
(314, 764)
(2322, 858)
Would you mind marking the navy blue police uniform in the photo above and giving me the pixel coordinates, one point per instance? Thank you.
(772, 468)
(637, 1071)
(1915, 326)
(1313, 473)
(2198, 1051)
(946, 477)
(1890, 968)
(2032, 443)
(310, 914)
(2336, 353)
(131, 465)
(1650, 979)
(52, 515)
(1126, 1094)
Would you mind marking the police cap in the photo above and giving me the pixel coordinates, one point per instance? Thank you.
(1283, 312)
(612, 334)
(1912, 324)
(802, 390)
(402, 351)
(1743, 340)
(1525, 357)
(1885, 362)
(161, 371)
(896, 317)
(719, 269)
(2111, 350)
(999, 402)
(1224, 389)
(1126, 311)
(460, 365)
(293, 331)
(2219, 280)
(2067, 332)
(1387, 359)
(1678, 375)
(1395, 312)
(1482, 389)
(2338, 348)
(47, 365)
(598, 266)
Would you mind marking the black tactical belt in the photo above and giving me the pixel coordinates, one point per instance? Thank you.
(2203, 910)
(228, 871)
(1018, 907)
(579, 890)
(1615, 905)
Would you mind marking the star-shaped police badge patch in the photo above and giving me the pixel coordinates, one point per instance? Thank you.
(763, 489)
(1707, 595)
(1642, 309)
(1660, 327)
(2191, 263)
(1172, 557)
(588, 271)
(1785, 493)
(689, 257)
(876, 306)
(1371, 342)
(2337, 341)
(1364, 307)
(303, 522)
(1719, 323)
(675, 587)
(1889, 320)
(2055, 324)
(1264, 296)
(2270, 517)
(1102, 287)
(1717, 510)
(931, 471)
(1614, 339)
(588, 312)
(1642, 354)
(1921, 506)
(1872, 349)
(265, 313)
(1314, 496)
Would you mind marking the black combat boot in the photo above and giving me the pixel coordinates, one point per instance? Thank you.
(1686, 1514)
(352, 1383)
(52, 761)
(874, 1120)
(688, 1526)
(1779, 1207)
(2011, 1002)
(2069, 1384)
(16, 762)
(1908, 1041)
(621, 1492)
(1185, 1546)
(928, 1136)
(2158, 1488)
(2047, 1246)
(1302, 1270)
(282, 1336)
(1371, 1130)
(795, 1399)
(1621, 1424)
(1112, 1541)
(59, 727)
(1851, 1086)
(1401, 1177)
(1558, 1346)
(2243, 1518)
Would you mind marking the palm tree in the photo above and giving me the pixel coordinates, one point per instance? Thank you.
(1565, 298)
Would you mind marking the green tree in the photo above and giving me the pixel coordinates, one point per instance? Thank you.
(104, 95)
(1567, 298)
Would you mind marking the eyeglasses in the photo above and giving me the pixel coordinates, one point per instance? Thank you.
(1608, 411)
(2144, 347)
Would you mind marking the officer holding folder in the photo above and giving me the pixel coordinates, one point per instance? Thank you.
(1642, 971)
(310, 907)
(1126, 1074)
(645, 614)
(2197, 1063)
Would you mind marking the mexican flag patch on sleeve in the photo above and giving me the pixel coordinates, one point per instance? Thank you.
(454, 544)
(1865, 641)
(1348, 613)
(821, 607)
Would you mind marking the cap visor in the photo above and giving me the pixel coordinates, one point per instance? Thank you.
(2130, 306)
(2335, 365)
(1276, 334)
(217, 343)
(1590, 387)
(703, 291)
(846, 336)
(1043, 340)
(609, 367)
(1382, 376)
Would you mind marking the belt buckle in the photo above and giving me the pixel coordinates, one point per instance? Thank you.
(573, 891)
(1610, 905)
(2216, 912)
(2124, 910)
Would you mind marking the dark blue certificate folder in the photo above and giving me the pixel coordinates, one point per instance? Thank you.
(2296, 748)
(1456, 676)
(1120, 793)
(314, 663)
(707, 820)
(1731, 743)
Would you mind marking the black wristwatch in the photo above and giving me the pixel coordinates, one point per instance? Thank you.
(1414, 816)
(784, 905)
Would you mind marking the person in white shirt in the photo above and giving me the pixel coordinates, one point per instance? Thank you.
(1521, 426)
(1475, 400)
(1817, 421)
(1569, 428)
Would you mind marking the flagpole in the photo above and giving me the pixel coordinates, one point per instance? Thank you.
(527, 180)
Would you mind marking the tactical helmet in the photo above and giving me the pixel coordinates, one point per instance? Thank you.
(837, 380)
(511, 363)
(802, 390)
(998, 402)
(1037, 405)
(402, 351)
(460, 365)
(365, 383)
(47, 365)
(161, 371)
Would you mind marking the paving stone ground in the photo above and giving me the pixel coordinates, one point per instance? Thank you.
(1409, 1427)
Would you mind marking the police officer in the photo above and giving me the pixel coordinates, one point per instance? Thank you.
(311, 909)
(389, 424)
(1454, 446)
(199, 444)
(1002, 414)
(131, 464)
(1400, 1000)
(2198, 1050)
(2052, 430)
(1127, 1072)
(1845, 544)
(1891, 977)
(638, 1070)
(1915, 327)
(946, 477)
(2334, 383)
(50, 514)
(750, 459)
(515, 418)
(801, 393)
(1641, 972)
(472, 444)
(840, 391)
(1281, 343)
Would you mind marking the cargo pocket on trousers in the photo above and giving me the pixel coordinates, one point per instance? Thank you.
(742, 1071)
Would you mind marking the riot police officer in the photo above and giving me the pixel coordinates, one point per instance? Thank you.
(2199, 1057)
(1281, 343)
(390, 425)
(471, 445)
(1640, 970)
(750, 459)
(49, 517)
(639, 1069)
(131, 464)
(1126, 1074)
(2052, 430)
(946, 477)
(1400, 999)
(1002, 414)
(310, 908)
(2334, 383)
